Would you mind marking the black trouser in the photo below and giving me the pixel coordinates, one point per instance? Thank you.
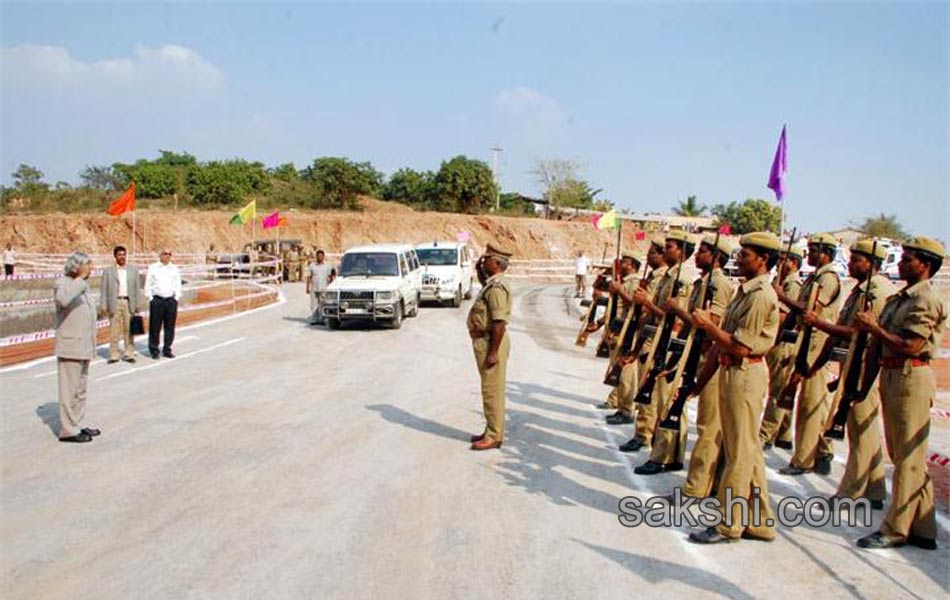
(161, 312)
(8, 270)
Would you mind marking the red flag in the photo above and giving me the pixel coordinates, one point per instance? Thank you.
(125, 203)
(725, 229)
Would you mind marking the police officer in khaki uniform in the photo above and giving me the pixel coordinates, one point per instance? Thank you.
(777, 422)
(812, 449)
(864, 473)
(630, 376)
(630, 270)
(487, 322)
(748, 332)
(908, 335)
(704, 460)
(668, 453)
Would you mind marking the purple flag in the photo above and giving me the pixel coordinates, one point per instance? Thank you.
(779, 166)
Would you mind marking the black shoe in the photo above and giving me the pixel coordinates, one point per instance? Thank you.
(710, 536)
(922, 542)
(604, 406)
(91, 432)
(877, 505)
(748, 536)
(792, 470)
(766, 446)
(129, 359)
(632, 445)
(112, 361)
(79, 439)
(154, 355)
(651, 467)
(878, 540)
(619, 419)
(783, 445)
(823, 464)
(168, 354)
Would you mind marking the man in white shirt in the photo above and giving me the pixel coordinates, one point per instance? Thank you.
(581, 266)
(163, 288)
(319, 276)
(9, 260)
(119, 300)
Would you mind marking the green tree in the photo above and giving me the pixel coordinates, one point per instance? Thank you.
(340, 181)
(101, 178)
(225, 182)
(690, 208)
(28, 179)
(407, 186)
(562, 185)
(151, 180)
(464, 185)
(886, 226)
(285, 172)
(174, 159)
(754, 214)
(512, 203)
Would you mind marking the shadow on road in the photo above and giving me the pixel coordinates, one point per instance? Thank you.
(49, 414)
(394, 414)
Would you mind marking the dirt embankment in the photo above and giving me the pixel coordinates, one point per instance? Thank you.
(334, 231)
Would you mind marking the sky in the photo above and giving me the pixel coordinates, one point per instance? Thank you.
(656, 101)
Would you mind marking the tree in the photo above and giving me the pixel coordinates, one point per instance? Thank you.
(26, 175)
(225, 182)
(561, 184)
(754, 214)
(285, 172)
(886, 226)
(690, 208)
(411, 187)
(339, 181)
(464, 185)
(102, 178)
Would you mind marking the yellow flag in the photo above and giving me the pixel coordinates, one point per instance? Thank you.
(245, 214)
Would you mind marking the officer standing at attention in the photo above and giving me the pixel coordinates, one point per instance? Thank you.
(812, 449)
(630, 270)
(487, 322)
(748, 332)
(908, 335)
(864, 471)
(777, 422)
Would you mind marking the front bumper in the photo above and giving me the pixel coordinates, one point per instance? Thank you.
(438, 292)
(366, 311)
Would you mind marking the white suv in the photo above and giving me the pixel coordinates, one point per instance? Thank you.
(447, 273)
(374, 283)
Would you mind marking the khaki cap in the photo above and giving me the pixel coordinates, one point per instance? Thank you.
(725, 245)
(633, 257)
(823, 239)
(926, 244)
(765, 240)
(866, 246)
(680, 236)
(659, 241)
(497, 250)
(796, 252)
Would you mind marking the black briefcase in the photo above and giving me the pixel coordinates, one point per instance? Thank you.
(136, 325)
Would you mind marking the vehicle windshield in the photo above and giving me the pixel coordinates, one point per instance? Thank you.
(358, 264)
(437, 256)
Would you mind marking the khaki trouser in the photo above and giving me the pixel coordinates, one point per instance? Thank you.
(669, 445)
(811, 416)
(741, 392)
(864, 473)
(119, 330)
(777, 422)
(493, 386)
(906, 397)
(73, 377)
(707, 450)
(646, 413)
(621, 397)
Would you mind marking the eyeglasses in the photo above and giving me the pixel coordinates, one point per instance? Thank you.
(166, 253)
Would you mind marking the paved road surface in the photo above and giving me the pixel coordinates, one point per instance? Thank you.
(272, 459)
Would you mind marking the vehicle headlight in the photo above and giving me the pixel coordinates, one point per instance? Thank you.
(384, 295)
(333, 297)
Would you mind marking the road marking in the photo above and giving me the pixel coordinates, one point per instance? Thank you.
(177, 359)
(99, 361)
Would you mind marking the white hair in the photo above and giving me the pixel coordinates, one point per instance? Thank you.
(76, 260)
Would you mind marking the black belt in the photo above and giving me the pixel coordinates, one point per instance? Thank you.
(123, 297)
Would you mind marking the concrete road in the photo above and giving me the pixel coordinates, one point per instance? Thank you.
(276, 460)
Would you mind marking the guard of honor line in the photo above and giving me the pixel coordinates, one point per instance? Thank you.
(762, 370)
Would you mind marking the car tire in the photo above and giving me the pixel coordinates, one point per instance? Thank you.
(333, 323)
(470, 291)
(457, 300)
(396, 323)
(415, 307)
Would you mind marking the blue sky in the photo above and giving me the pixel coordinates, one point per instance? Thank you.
(657, 101)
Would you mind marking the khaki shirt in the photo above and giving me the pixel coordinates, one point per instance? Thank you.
(829, 300)
(881, 290)
(630, 284)
(791, 287)
(720, 300)
(915, 311)
(752, 317)
(493, 303)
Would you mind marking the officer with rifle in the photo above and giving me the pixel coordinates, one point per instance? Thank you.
(629, 270)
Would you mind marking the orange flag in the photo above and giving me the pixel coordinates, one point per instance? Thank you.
(125, 203)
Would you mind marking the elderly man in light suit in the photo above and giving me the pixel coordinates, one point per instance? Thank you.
(75, 346)
(119, 299)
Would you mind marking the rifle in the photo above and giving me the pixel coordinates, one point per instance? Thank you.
(802, 341)
(659, 349)
(613, 324)
(852, 371)
(589, 320)
(686, 371)
(789, 322)
(629, 332)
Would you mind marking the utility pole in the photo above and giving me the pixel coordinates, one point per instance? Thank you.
(495, 151)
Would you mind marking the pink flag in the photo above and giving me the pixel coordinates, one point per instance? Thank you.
(463, 236)
(779, 166)
(725, 229)
(271, 220)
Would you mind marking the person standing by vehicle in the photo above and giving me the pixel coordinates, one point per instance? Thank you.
(319, 277)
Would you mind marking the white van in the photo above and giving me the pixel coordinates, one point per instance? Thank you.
(447, 273)
(374, 283)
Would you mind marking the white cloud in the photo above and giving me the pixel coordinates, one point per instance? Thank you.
(31, 67)
(527, 105)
